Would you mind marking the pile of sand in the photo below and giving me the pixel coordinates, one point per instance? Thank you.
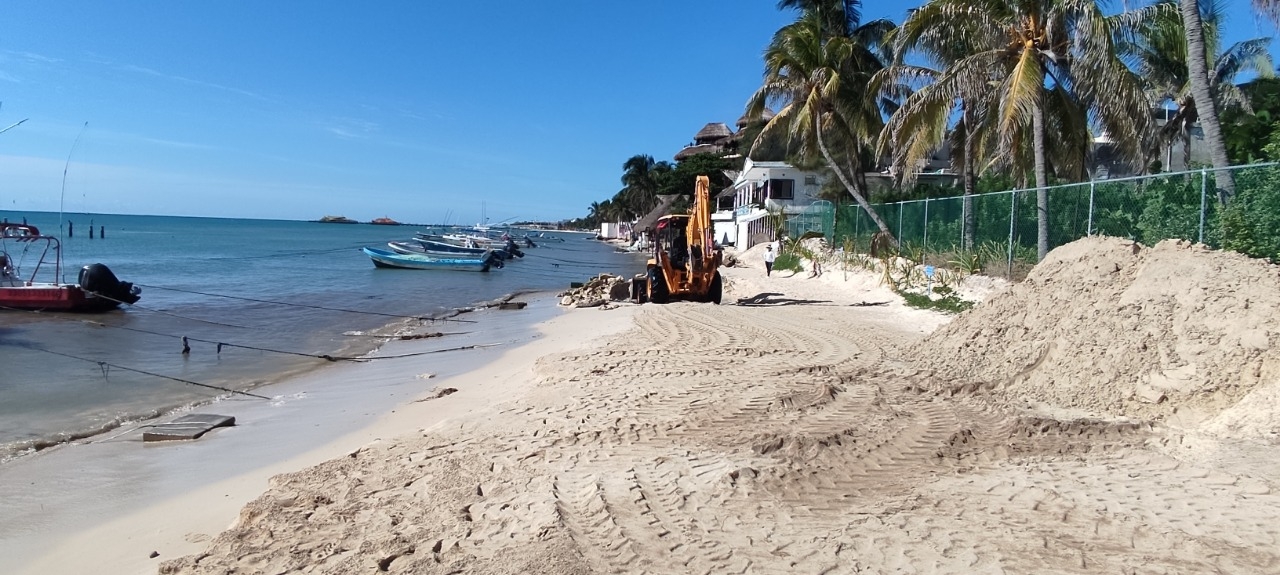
(1109, 328)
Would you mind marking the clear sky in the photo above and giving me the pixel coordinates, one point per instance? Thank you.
(418, 110)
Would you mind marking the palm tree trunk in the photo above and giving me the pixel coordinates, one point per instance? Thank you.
(970, 220)
(1198, 70)
(862, 201)
(1042, 183)
(1186, 149)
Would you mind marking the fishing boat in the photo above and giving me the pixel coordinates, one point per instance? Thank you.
(98, 288)
(443, 244)
(419, 248)
(389, 259)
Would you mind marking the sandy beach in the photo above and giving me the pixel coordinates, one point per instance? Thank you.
(1114, 413)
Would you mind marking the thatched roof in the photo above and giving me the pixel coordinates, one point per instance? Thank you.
(712, 132)
(764, 117)
(690, 151)
(651, 218)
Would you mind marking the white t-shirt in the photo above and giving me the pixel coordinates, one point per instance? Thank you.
(769, 253)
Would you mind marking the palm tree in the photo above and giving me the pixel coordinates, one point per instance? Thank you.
(1031, 57)
(1268, 8)
(1160, 58)
(1198, 75)
(595, 213)
(640, 178)
(814, 68)
(919, 126)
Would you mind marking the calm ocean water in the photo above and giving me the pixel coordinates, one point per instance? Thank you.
(187, 268)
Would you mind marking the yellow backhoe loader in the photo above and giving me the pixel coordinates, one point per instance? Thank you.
(685, 262)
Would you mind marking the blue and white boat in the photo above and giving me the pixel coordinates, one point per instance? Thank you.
(389, 259)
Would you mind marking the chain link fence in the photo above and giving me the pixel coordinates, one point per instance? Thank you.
(1002, 226)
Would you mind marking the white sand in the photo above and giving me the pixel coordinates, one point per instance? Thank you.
(802, 432)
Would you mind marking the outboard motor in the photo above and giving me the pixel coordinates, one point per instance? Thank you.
(528, 243)
(98, 279)
(512, 249)
(492, 260)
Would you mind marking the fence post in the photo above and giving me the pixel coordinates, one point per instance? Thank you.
(1204, 184)
(926, 223)
(1088, 230)
(900, 209)
(1013, 207)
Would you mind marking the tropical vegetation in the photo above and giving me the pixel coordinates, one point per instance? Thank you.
(1019, 90)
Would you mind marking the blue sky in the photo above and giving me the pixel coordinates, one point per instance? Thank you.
(420, 111)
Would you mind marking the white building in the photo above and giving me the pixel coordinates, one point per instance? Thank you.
(759, 188)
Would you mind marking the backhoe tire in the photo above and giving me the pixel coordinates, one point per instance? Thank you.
(658, 287)
(716, 290)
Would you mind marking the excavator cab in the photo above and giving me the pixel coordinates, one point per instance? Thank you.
(685, 261)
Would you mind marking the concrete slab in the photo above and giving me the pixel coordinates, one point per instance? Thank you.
(190, 426)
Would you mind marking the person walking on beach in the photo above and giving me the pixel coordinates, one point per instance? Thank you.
(769, 256)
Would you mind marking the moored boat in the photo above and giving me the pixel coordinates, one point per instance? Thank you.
(98, 288)
(416, 247)
(389, 259)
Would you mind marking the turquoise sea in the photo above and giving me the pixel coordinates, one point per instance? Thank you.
(299, 289)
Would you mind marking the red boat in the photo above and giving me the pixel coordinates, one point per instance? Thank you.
(97, 290)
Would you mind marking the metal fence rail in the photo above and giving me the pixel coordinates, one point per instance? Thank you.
(1147, 209)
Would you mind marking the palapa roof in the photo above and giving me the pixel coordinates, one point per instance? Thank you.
(651, 218)
(690, 151)
(764, 117)
(712, 132)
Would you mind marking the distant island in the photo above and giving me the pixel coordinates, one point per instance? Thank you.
(337, 220)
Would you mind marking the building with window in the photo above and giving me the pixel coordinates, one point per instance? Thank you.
(762, 187)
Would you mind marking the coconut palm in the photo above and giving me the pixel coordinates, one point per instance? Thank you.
(814, 75)
(641, 176)
(1198, 76)
(1159, 55)
(1032, 57)
(1268, 8)
(922, 123)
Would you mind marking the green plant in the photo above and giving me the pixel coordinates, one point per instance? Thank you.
(968, 262)
(949, 303)
(788, 261)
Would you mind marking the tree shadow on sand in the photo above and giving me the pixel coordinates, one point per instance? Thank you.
(776, 299)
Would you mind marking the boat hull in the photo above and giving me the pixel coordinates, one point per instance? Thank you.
(53, 298)
(390, 259)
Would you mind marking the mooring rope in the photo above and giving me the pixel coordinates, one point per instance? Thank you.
(308, 306)
(178, 379)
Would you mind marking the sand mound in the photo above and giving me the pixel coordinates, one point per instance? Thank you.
(1110, 328)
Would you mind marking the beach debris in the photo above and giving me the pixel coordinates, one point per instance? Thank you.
(413, 336)
(426, 375)
(512, 305)
(154, 554)
(190, 426)
(439, 393)
(597, 292)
